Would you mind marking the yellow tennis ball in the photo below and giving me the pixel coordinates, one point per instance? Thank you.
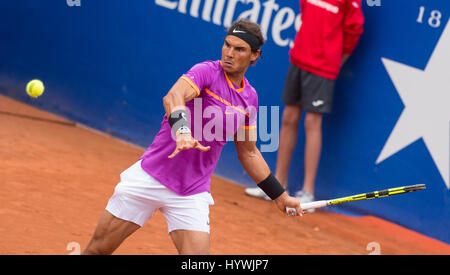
(35, 88)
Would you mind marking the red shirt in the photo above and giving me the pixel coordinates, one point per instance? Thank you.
(330, 28)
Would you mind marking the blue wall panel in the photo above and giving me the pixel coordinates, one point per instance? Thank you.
(107, 64)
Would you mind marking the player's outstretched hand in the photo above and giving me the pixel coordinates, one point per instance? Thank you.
(186, 141)
(285, 201)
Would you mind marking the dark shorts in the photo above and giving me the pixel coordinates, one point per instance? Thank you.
(312, 92)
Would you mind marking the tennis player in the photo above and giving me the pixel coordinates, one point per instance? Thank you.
(174, 173)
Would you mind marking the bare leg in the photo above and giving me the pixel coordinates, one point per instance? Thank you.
(109, 234)
(313, 147)
(288, 138)
(190, 242)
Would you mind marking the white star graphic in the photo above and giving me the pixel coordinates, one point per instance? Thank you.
(426, 96)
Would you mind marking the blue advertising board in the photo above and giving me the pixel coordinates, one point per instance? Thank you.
(107, 65)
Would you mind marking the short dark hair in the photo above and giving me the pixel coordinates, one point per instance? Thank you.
(249, 26)
(253, 28)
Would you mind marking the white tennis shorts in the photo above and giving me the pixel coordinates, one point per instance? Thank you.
(138, 196)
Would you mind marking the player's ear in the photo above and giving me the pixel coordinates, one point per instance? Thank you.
(255, 55)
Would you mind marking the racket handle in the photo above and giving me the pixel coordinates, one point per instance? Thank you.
(313, 205)
(308, 205)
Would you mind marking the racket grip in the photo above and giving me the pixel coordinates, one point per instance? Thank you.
(308, 205)
(313, 205)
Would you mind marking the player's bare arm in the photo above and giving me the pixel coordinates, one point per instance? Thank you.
(175, 101)
(258, 170)
(180, 93)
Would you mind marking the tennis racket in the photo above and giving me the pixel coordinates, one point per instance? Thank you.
(364, 196)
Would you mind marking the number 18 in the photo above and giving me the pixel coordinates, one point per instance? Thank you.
(434, 20)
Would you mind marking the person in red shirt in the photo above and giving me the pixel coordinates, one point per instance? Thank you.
(329, 33)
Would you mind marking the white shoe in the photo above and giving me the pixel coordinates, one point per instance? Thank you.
(304, 196)
(257, 193)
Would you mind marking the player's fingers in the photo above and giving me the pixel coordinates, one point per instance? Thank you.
(294, 209)
(201, 147)
(299, 210)
(175, 152)
(184, 147)
(291, 211)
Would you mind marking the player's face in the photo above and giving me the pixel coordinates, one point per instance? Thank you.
(236, 55)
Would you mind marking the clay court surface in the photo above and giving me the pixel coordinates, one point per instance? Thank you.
(56, 179)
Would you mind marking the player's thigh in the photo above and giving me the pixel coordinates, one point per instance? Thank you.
(188, 222)
(114, 228)
(109, 234)
(190, 242)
